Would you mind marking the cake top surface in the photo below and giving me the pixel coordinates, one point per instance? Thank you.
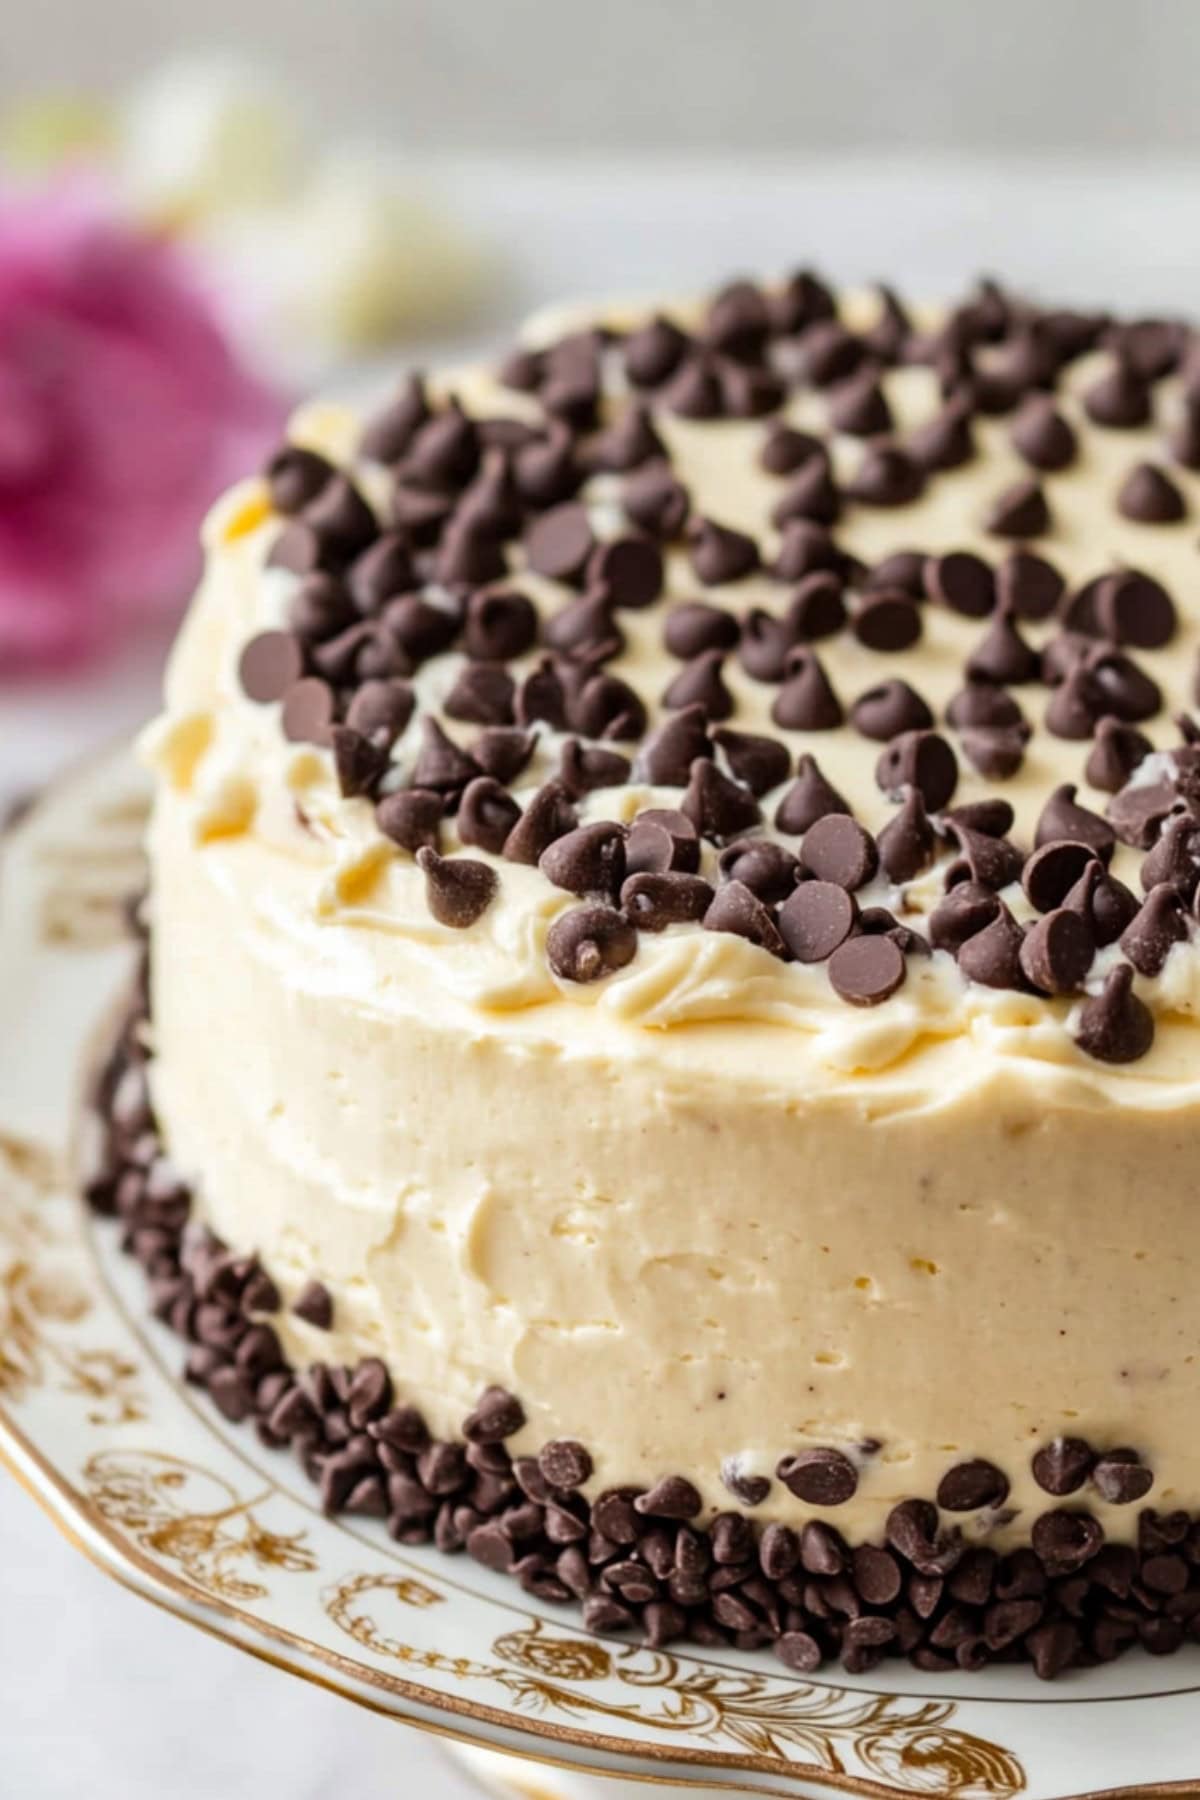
(783, 659)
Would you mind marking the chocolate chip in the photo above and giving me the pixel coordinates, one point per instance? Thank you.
(1061, 1467)
(720, 809)
(666, 758)
(982, 860)
(411, 817)
(656, 501)
(662, 840)
(1042, 436)
(629, 569)
(820, 1477)
(719, 554)
(889, 709)
(944, 442)
(548, 816)
(314, 1305)
(342, 520)
(699, 683)
(358, 763)
(564, 1464)
(672, 1498)
(807, 701)
(1027, 586)
(785, 450)
(294, 476)
(545, 472)
(300, 550)
(815, 919)
(607, 707)
(1118, 750)
(1175, 858)
(963, 582)
(499, 626)
(1160, 923)
(996, 753)
(1002, 656)
(497, 1415)
(653, 352)
(559, 542)
(589, 861)
(738, 911)
(1019, 512)
(628, 443)
(308, 712)
(1116, 1027)
(458, 890)
(1053, 870)
(837, 849)
(752, 1490)
(859, 408)
(440, 763)
(921, 760)
(693, 626)
(418, 515)
(1057, 953)
(694, 392)
(760, 763)
(817, 610)
(1063, 817)
(389, 433)
(502, 753)
(1075, 706)
(765, 645)
(486, 815)
(585, 628)
(748, 392)
(1120, 1478)
(269, 665)
(584, 768)
(1120, 399)
(968, 908)
(876, 1575)
(865, 971)
(887, 622)
(482, 694)
(799, 1651)
(590, 942)
(992, 957)
(1105, 904)
(972, 1485)
(812, 498)
(320, 608)
(652, 901)
(887, 476)
(906, 843)
(1149, 497)
(810, 797)
(490, 507)
(421, 628)
(829, 352)
(1132, 608)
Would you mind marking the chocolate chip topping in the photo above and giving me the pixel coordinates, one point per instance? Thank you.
(1116, 1027)
(1149, 496)
(865, 971)
(1019, 512)
(487, 813)
(821, 1477)
(837, 849)
(1160, 922)
(888, 710)
(992, 956)
(1027, 586)
(1043, 436)
(807, 701)
(906, 843)
(719, 554)
(559, 543)
(1057, 952)
(548, 816)
(736, 909)
(693, 626)
(816, 918)
(972, 1485)
(652, 900)
(922, 760)
(589, 861)
(314, 1304)
(810, 797)
(1120, 399)
(761, 763)
(458, 889)
(269, 665)
(963, 582)
(590, 942)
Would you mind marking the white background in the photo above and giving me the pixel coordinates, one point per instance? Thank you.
(101, 1696)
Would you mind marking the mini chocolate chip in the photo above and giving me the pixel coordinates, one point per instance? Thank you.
(859, 407)
(1042, 435)
(440, 763)
(487, 813)
(629, 569)
(820, 1477)
(1120, 1479)
(269, 665)
(693, 626)
(359, 763)
(320, 608)
(548, 816)
(887, 476)
(719, 554)
(502, 752)
(972, 1485)
(699, 683)
(906, 843)
(1160, 923)
(837, 849)
(887, 622)
(766, 868)
(559, 542)
(889, 709)
(666, 757)
(961, 581)
(482, 694)
(865, 971)
(1053, 870)
(1057, 952)
(314, 1305)
(751, 1490)
(294, 476)
(1063, 817)
(815, 919)
(309, 710)
(944, 442)
(735, 909)
(992, 957)
(785, 450)
(1019, 512)
(810, 797)
(1132, 608)
(652, 900)
(590, 942)
(921, 760)
(694, 391)
(967, 909)
(812, 497)
(1120, 399)
(458, 890)
(807, 701)
(1116, 1027)
(584, 768)
(761, 763)
(411, 817)
(1061, 1467)
(1028, 586)
(499, 625)
(1149, 496)
(589, 861)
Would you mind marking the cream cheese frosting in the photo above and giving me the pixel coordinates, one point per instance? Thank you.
(701, 1210)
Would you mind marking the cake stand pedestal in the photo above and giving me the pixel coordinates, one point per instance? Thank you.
(142, 1475)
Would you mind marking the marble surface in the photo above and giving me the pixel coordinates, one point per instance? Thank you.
(100, 1695)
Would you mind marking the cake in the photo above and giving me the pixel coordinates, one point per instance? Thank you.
(672, 1061)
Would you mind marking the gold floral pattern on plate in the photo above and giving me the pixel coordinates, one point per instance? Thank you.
(194, 1514)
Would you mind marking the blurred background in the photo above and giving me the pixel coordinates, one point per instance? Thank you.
(207, 211)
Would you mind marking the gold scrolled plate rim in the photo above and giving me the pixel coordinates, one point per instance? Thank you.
(152, 1486)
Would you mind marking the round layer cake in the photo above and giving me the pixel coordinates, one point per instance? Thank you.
(673, 947)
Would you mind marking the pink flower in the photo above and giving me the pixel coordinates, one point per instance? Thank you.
(123, 413)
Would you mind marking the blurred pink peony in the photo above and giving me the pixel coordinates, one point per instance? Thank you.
(124, 411)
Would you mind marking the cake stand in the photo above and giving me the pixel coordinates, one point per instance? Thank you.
(144, 1477)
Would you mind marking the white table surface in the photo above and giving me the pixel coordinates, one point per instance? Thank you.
(101, 1695)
